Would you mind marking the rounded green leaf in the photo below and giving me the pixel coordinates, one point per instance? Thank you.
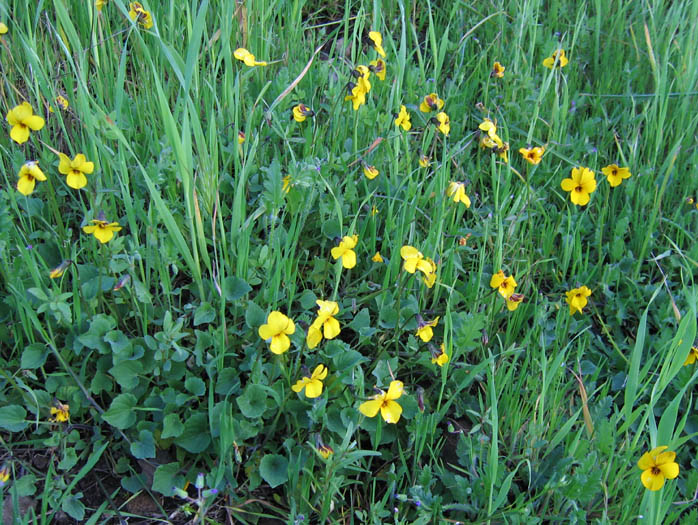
(13, 418)
(121, 414)
(274, 469)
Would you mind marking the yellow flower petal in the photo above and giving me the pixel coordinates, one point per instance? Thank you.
(371, 408)
(391, 411)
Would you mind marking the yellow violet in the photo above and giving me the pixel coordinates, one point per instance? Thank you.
(140, 15)
(28, 174)
(377, 257)
(324, 450)
(497, 70)
(22, 119)
(301, 112)
(403, 119)
(345, 250)
(431, 102)
(692, 356)
(615, 174)
(385, 403)
(533, 155)
(443, 123)
(102, 230)
(241, 137)
(414, 260)
(3, 28)
(504, 284)
(558, 57)
(248, 58)
(75, 170)
(59, 270)
(312, 384)
(60, 413)
(377, 40)
(457, 191)
(5, 470)
(357, 97)
(514, 300)
(439, 357)
(657, 465)
(489, 127)
(325, 324)
(378, 68)
(424, 161)
(99, 4)
(276, 331)
(580, 185)
(577, 299)
(371, 172)
(62, 103)
(425, 328)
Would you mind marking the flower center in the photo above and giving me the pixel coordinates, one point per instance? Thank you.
(579, 189)
(656, 471)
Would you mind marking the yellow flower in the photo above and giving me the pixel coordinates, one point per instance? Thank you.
(514, 300)
(385, 402)
(75, 170)
(301, 112)
(140, 15)
(286, 184)
(414, 260)
(615, 174)
(345, 250)
(22, 119)
(371, 172)
(358, 95)
(439, 357)
(312, 384)
(577, 299)
(425, 328)
(431, 102)
(60, 413)
(504, 284)
(424, 161)
(277, 329)
(489, 127)
(241, 137)
(378, 68)
(62, 103)
(5, 470)
(377, 40)
(443, 123)
(99, 4)
(403, 119)
(28, 174)
(3, 28)
(656, 466)
(102, 230)
(533, 155)
(497, 70)
(377, 258)
(59, 270)
(558, 55)
(692, 356)
(580, 185)
(248, 58)
(325, 324)
(324, 450)
(457, 191)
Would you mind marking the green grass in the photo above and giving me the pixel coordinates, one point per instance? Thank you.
(538, 417)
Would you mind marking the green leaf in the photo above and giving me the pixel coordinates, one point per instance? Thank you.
(34, 356)
(118, 341)
(121, 414)
(307, 300)
(166, 478)
(234, 288)
(13, 418)
(144, 446)
(70, 458)
(196, 436)
(252, 402)
(274, 469)
(205, 313)
(94, 337)
(254, 315)
(126, 374)
(172, 426)
(228, 381)
(73, 507)
(195, 385)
